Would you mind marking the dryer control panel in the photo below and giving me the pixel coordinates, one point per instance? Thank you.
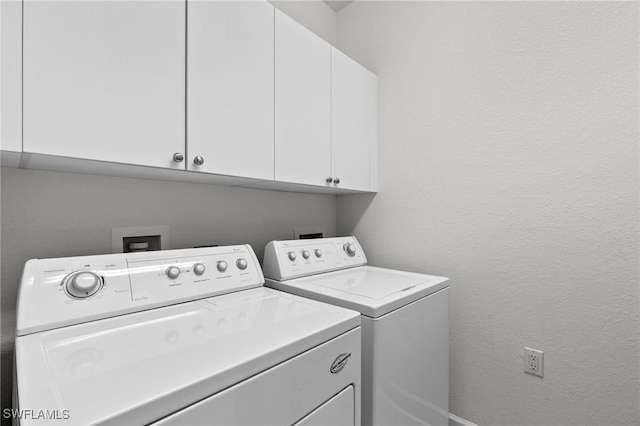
(285, 260)
(73, 290)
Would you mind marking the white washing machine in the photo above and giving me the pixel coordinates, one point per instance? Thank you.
(405, 324)
(179, 337)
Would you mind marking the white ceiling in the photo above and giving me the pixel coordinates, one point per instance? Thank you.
(337, 5)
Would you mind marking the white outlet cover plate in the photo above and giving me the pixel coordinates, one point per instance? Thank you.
(530, 367)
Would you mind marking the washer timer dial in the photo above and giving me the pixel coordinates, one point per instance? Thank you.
(82, 284)
(350, 249)
(242, 264)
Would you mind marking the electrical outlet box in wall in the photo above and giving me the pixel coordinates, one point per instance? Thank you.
(534, 362)
(139, 238)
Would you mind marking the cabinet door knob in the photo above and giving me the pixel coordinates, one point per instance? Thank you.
(329, 180)
(198, 161)
(178, 157)
(336, 181)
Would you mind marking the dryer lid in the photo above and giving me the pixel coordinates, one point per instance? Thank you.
(137, 368)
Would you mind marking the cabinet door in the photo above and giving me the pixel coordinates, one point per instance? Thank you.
(230, 86)
(105, 80)
(303, 104)
(11, 76)
(353, 123)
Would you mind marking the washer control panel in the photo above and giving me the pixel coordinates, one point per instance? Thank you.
(66, 291)
(285, 260)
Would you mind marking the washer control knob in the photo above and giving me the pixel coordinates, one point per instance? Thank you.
(318, 252)
(222, 266)
(350, 249)
(173, 272)
(242, 264)
(199, 268)
(83, 284)
(292, 256)
(305, 254)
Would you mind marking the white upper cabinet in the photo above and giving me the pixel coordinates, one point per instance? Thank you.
(105, 80)
(353, 123)
(325, 115)
(11, 76)
(230, 88)
(236, 91)
(302, 104)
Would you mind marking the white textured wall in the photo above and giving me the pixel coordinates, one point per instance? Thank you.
(508, 161)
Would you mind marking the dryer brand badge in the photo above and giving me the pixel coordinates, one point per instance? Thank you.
(339, 363)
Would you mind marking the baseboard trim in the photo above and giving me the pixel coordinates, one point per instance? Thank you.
(459, 421)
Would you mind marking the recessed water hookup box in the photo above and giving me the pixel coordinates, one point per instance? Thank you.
(139, 238)
(309, 232)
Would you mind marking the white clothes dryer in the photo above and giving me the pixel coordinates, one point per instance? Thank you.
(405, 324)
(179, 337)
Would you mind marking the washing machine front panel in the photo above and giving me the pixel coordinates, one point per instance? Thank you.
(338, 411)
(405, 364)
(303, 387)
(136, 368)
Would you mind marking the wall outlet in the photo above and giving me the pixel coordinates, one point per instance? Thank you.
(534, 362)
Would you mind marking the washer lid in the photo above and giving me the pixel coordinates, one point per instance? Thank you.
(137, 368)
(371, 291)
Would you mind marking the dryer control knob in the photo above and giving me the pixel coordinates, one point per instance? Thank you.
(350, 249)
(173, 272)
(292, 256)
(318, 253)
(222, 266)
(305, 254)
(82, 284)
(199, 268)
(242, 264)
